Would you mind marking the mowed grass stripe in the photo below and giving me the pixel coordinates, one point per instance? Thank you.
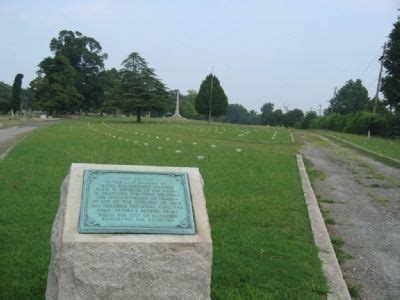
(262, 242)
(387, 147)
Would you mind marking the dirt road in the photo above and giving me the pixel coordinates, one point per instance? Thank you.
(362, 196)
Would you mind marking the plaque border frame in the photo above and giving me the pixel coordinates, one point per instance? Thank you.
(94, 228)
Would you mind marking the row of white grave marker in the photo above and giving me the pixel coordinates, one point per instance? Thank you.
(200, 157)
(222, 130)
(195, 128)
(216, 128)
(201, 129)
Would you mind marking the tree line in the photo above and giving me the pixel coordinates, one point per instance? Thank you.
(74, 80)
(350, 110)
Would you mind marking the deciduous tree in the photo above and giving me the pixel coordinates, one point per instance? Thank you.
(292, 117)
(111, 80)
(54, 87)
(391, 61)
(86, 57)
(5, 97)
(187, 105)
(308, 119)
(351, 98)
(266, 113)
(237, 114)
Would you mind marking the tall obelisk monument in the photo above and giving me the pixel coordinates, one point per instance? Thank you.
(177, 115)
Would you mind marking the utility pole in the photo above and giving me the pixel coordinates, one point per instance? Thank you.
(210, 102)
(320, 110)
(379, 80)
(330, 104)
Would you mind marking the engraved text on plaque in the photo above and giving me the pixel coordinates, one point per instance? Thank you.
(136, 202)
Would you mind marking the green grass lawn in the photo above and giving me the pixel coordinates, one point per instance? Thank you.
(262, 242)
(388, 147)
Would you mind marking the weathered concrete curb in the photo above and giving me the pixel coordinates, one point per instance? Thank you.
(373, 153)
(330, 265)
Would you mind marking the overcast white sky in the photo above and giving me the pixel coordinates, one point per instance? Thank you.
(283, 51)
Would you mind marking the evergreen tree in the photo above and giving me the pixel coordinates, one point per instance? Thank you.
(213, 102)
(141, 90)
(16, 93)
(391, 61)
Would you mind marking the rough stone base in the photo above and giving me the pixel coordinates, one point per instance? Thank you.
(127, 266)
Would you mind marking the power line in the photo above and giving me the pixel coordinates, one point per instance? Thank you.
(370, 64)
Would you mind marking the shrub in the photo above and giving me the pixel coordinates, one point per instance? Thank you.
(361, 122)
(307, 121)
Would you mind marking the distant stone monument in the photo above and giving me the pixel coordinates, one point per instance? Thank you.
(131, 232)
(177, 115)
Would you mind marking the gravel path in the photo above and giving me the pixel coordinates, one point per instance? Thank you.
(363, 197)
